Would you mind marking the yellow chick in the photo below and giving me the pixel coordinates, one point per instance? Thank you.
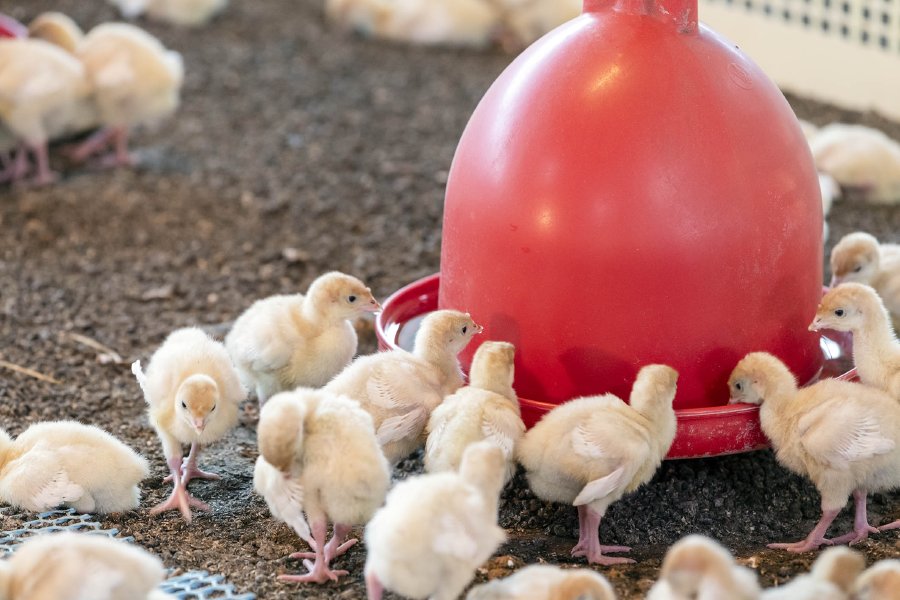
(698, 568)
(189, 13)
(436, 529)
(488, 409)
(193, 393)
(546, 582)
(471, 23)
(530, 20)
(881, 581)
(862, 157)
(40, 84)
(876, 352)
(63, 566)
(135, 81)
(859, 258)
(318, 453)
(67, 463)
(400, 389)
(284, 342)
(832, 578)
(841, 435)
(592, 451)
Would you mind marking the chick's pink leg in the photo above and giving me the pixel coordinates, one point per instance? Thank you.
(589, 546)
(815, 538)
(374, 589)
(90, 146)
(318, 572)
(189, 468)
(121, 157)
(334, 547)
(44, 175)
(180, 499)
(861, 527)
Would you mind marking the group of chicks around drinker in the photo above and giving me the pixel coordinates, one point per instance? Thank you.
(331, 426)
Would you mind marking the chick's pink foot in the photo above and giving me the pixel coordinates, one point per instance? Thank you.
(318, 573)
(333, 548)
(815, 538)
(189, 469)
(589, 542)
(861, 527)
(180, 500)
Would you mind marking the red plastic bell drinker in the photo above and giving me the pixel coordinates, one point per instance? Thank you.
(633, 189)
(11, 28)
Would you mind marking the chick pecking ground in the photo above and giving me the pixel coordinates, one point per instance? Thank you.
(298, 150)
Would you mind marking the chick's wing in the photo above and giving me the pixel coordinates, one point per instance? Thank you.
(841, 431)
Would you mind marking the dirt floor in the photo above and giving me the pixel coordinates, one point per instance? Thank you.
(293, 135)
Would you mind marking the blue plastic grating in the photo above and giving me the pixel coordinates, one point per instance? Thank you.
(200, 585)
(50, 522)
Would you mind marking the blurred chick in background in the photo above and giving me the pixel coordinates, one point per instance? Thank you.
(590, 452)
(320, 455)
(134, 80)
(860, 258)
(80, 566)
(698, 568)
(859, 157)
(65, 463)
(832, 578)
(471, 23)
(41, 89)
(289, 341)
(435, 530)
(487, 409)
(192, 392)
(546, 582)
(190, 13)
(881, 581)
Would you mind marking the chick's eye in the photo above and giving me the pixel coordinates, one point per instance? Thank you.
(352, 298)
(183, 405)
(839, 312)
(737, 386)
(857, 269)
(465, 328)
(213, 408)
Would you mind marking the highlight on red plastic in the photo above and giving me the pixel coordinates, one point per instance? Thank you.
(11, 28)
(702, 432)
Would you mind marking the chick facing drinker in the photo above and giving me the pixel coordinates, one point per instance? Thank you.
(633, 190)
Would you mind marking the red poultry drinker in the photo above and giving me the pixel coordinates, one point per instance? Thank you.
(633, 189)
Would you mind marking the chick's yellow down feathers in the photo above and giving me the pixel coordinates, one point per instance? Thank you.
(78, 565)
(284, 342)
(65, 463)
(400, 389)
(546, 582)
(487, 409)
(436, 529)
(841, 435)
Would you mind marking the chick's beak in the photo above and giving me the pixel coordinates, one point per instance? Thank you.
(817, 324)
(478, 329)
(372, 307)
(836, 281)
(199, 425)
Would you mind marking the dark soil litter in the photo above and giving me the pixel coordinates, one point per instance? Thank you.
(294, 135)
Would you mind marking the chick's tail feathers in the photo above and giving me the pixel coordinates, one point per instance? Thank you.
(141, 379)
(583, 585)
